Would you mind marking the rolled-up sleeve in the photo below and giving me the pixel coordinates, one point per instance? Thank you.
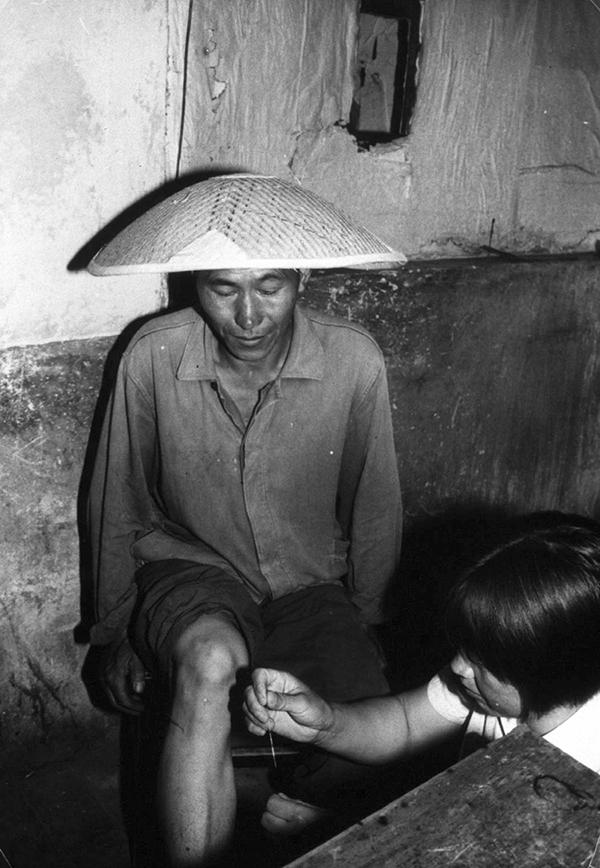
(445, 701)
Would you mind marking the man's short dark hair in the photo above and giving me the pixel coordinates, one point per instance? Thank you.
(529, 612)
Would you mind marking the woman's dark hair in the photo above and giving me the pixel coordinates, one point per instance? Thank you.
(529, 612)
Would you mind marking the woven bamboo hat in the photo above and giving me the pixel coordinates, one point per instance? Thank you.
(242, 221)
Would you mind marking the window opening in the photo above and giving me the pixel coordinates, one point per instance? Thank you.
(388, 47)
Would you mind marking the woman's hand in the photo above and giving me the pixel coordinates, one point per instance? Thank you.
(279, 702)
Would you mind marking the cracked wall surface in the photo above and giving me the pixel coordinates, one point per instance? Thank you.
(509, 100)
(506, 129)
(505, 134)
(261, 72)
(47, 400)
(102, 106)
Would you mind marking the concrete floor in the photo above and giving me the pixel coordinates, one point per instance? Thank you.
(60, 807)
(62, 804)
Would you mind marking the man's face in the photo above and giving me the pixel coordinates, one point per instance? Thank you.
(249, 310)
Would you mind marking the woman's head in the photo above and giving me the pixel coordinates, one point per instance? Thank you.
(529, 612)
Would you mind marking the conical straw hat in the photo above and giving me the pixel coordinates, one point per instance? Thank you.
(242, 221)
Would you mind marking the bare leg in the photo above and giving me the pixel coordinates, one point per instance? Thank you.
(196, 788)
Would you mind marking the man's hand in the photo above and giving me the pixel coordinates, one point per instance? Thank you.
(279, 702)
(124, 677)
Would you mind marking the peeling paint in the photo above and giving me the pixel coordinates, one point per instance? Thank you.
(212, 61)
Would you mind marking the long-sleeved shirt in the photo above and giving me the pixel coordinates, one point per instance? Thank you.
(306, 493)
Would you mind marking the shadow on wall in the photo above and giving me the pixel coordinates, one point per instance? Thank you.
(181, 294)
(436, 551)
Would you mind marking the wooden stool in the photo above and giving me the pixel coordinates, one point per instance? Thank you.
(248, 749)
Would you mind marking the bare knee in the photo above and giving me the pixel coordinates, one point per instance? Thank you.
(208, 655)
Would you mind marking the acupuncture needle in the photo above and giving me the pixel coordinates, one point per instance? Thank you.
(270, 734)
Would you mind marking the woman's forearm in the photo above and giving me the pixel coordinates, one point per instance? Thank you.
(384, 729)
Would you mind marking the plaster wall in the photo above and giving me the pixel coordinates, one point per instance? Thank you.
(504, 142)
(260, 73)
(82, 112)
(506, 129)
(104, 103)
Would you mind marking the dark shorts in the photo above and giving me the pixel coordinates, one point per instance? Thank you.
(315, 633)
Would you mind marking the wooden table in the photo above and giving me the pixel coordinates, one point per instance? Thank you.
(518, 802)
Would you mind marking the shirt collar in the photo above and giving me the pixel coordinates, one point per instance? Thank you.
(306, 358)
(578, 734)
(197, 360)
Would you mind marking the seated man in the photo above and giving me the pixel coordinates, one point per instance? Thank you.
(244, 506)
(524, 623)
